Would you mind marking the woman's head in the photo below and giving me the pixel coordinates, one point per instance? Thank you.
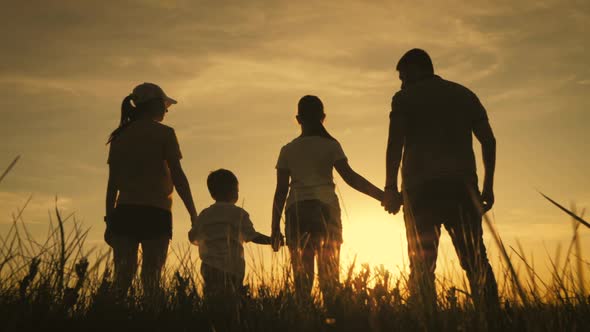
(146, 101)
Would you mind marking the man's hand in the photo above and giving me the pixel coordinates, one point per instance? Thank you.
(487, 199)
(392, 200)
(277, 240)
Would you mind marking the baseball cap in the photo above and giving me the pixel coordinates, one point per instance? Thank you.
(148, 91)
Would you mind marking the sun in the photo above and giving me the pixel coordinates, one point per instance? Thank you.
(375, 238)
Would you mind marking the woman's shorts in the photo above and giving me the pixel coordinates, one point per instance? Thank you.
(313, 222)
(140, 222)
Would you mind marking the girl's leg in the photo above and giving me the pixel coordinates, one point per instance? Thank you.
(302, 261)
(329, 270)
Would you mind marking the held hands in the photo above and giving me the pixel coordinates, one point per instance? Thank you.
(392, 200)
(277, 240)
(194, 218)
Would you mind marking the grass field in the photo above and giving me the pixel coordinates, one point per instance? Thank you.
(56, 284)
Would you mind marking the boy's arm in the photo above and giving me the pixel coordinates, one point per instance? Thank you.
(262, 239)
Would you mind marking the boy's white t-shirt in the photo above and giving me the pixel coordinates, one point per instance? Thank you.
(310, 161)
(220, 231)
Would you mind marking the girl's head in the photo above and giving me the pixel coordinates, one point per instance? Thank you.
(310, 115)
(146, 101)
(310, 110)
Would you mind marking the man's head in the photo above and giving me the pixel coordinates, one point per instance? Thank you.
(414, 65)
(223, 186)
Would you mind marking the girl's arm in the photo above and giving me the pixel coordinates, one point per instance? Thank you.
(278, 204)
(356, 181)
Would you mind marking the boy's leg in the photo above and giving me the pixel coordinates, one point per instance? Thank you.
(125, 259)
(153, 260)
(222, 293)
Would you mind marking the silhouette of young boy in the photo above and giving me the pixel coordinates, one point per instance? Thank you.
(220, 231)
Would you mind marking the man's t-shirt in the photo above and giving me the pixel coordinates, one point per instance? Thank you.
(220, 231)
(438, 119)
(138, 158)
(310, 161)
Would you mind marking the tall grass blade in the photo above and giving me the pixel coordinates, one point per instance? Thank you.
(570, 213)
(9, 168)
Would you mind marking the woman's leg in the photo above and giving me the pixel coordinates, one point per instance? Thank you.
(153, 260)
(125, 258)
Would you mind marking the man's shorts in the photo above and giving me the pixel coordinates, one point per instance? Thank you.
(140, 222)
(442, 197)
(312, 222)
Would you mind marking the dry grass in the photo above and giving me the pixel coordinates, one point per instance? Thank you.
(56, 284)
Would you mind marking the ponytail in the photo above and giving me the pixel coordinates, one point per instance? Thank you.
(310, 110)
(323, 132)
(128, 115)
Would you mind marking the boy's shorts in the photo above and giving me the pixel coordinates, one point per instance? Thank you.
(140, 222)
(220, 283)
(313, 222)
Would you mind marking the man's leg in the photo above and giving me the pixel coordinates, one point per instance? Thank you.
(125, 259)
(423, 233)
(153, 260)
(329, 270)
(467, 236)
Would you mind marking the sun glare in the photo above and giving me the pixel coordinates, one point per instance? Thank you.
(375, 238)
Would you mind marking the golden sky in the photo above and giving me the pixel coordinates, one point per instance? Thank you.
(238, 68)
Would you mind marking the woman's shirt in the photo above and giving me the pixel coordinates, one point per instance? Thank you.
(310, 161)
(138, 159)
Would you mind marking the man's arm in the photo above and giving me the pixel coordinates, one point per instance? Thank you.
(484, 134)
(182, 187)
(278, 204)
(392, 199)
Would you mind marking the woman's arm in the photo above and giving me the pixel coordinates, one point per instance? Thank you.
(280, 197)
(182, 187)
(111, 199)
(356, 181)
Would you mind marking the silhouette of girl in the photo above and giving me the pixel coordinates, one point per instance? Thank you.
(144, 169)
(313, 226)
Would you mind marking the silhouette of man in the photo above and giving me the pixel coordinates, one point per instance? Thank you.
(432, 121)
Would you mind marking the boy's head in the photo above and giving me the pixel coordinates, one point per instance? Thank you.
(223, 186)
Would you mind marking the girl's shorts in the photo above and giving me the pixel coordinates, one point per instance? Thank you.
(313, 222)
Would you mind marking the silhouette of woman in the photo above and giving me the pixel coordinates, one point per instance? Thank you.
(144, 168)
(313, 227)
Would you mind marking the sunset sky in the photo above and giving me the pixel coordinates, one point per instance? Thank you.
(238, 68)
